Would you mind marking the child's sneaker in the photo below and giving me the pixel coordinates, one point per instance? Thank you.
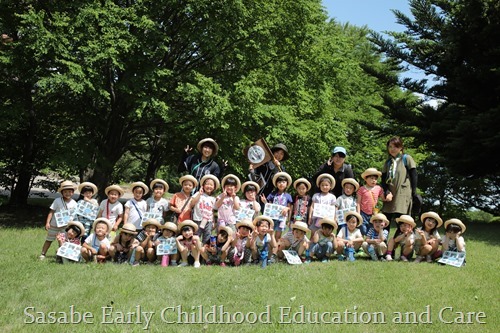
(428, 258)
(222, 264)
(341, 257)
(41, 257)
(173, 263)
(403, 258)
(371, 252)
(135, 264)
(324, 260)
(272, 260)
(182, 264)
(388, 257)
(196, 264)
(418, 259)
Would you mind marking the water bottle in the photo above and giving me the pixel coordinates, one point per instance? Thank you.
(164, 260)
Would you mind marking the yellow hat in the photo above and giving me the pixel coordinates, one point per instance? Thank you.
(301, 226)
(169, 226)
(379, 216)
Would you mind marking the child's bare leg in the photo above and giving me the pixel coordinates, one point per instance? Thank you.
(86, 254)
(46, 246)
(425, 250)
(340, 247)
(407, 249)
(277, 234)
(151, 255)
(196, 254)
(102, 253)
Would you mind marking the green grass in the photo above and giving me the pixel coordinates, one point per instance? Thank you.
(331, 287)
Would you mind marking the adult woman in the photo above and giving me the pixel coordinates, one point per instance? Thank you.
(399, 180)
(336, 167)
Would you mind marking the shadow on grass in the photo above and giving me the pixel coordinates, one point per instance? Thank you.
(23, 216)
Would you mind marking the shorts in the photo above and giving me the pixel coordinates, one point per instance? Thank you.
(53, 231)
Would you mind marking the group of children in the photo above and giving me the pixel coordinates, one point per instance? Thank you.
(350, 224)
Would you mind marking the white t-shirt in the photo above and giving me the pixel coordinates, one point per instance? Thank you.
(59, 204)
(204, 208)
(136, 212)
(96, 243)
(160, 206)
(115, 210)
(350, 235)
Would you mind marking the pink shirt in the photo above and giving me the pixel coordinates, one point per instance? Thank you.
(368, 198)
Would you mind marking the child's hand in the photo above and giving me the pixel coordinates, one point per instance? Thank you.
(94, 251)
(187, 149)
(180, 237)
(330, 161)
(284, 212)
(47, 226)
(250, 167)
(276, 162)
(263, 198)
(201, 191)
(388, 197)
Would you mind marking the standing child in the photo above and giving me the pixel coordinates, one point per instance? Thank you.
(122, 247)
(262, 241)
(74, 231)
(301, 202)
(279, 196)
(453, 240)
(168, 232)
(404, 238)
(240, 251)
(368, 196)
(216, 248)
(250, 190)
(136, 207)
(227, 202)
(111, 208)
(65, 202)
(179, 204)
(325, 182)
(203, 203)
(427, 237)
(188, 244)
(324, 240)
(295, 240)
(349, 238)
(96, 246)
(347, 201)
(157, 203)
(87, 191)
(147, 239)
(376, 237)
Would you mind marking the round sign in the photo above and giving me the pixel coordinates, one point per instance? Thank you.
(256, 154)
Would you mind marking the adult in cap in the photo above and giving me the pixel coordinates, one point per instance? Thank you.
(202, 163)
(263, 175)
(336, 167)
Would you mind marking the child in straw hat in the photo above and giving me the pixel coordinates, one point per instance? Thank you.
(87, 192)
(301, 201)
(324, 241)
(453, 240)
(111, 208)
(180, 201)
(228, 202)
(123, 245)
(168, 232)
(347, 201)
(215, 250)
(188, 244)
(325, 183)
(64, 203)
(368, 196)
(74, 231)
(157, 204)
(427, 238)
(147, 238)
(295, 240)
(203, 204)
(96, 246)
(375, 240)
(262, 240)
(349, 238)
(250, 190)
(405, 238)
(240, 251)
(279, 196)
(136, 207)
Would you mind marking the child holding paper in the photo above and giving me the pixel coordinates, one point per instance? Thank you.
(203, 203)
(136, 207)
(325, 182)
(349, 238)
(157, 204)
(215, 250)
(96, 246)
(227, 202)
(168, 232)
(279, 196)
(367, 197)
(250, 190)
(87, 191)
(111, 208)
(262, 240)
(122, 247)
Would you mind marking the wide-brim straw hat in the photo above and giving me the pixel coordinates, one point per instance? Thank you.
(282, 174)
(212, 141)
(457, 222)
(329, 222)
(356, 214)
(371, 172)
(406, 219)
(264, 218)
(433, 215)
(228, 230)
(187, 223)
(161, 181)
(245, 223)
(379, 216)
(301, 226)
(245, 184)
(77, 224)
(215, 179)
(66, 185)
(102, 219)
(169, 226)
(129, 228)
(114, 188)
(88, 184)
(190, 178)
(238, 182)
(282, 147)
(325, 175)
(351, 181)
(140, 184)
(151, 221)
(302, 180)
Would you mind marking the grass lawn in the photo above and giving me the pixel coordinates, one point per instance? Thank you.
(362, 296)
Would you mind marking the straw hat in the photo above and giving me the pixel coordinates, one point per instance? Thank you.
(282, 174)
(356, 214)
(161, 181)
(406, 219)
(228, 230)
(169, 226)
(301, 226)
(302, 180)
(371, 172)
(151, 221)
(457, 222)
(264, 218)
(66, 185)
(210, 140)
(215, 179)
(379, 216)
(245, 223)
(245, 184)
(282, 147)
(89, 184)
(433, 215)
(102, 219)
(325, 175)
(329, 222)
(114, 188)
(238, 183)
(140, 184)
(190, 178)
(129, 228)
(351, 181)
(76, 224)
(187, 223)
